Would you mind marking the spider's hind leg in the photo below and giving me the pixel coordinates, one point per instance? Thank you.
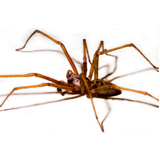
(133, 90)
(130, 45)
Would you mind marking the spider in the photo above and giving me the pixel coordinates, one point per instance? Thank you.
(82, 84)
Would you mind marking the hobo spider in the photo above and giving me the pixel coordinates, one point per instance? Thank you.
(82, 84)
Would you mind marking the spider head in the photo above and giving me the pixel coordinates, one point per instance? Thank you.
(72, 78)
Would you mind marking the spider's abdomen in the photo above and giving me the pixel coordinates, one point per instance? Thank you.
(105, 91)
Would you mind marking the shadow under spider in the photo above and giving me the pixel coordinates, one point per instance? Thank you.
(57, 51)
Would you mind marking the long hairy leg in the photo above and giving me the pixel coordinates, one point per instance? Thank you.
(132, 90)
(130, 45)
(94, 66)
(57, 42)
(85, 51)
(90, 96)
(39, 85)
(35, 75)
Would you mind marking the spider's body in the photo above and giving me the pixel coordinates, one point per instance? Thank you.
(79, 83)
(99, 88)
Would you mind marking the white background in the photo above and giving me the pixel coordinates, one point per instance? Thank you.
(46, 129)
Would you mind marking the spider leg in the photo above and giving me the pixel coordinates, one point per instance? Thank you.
(94, 66)
(90, 95)
(113, 86)
(57, 42)
(36, 75)
(129, 45)
(85, 50)
(39, 85)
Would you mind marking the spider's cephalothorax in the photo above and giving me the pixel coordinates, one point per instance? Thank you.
(73, 79)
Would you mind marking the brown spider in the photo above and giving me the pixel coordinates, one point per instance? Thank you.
(79, 83)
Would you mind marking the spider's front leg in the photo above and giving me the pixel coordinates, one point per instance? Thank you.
(94, 66)
(55, 83)
(55, 41)
(84, 86)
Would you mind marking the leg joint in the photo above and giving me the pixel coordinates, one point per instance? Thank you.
(32, 74)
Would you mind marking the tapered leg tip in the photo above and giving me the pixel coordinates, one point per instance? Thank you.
(102, 128)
